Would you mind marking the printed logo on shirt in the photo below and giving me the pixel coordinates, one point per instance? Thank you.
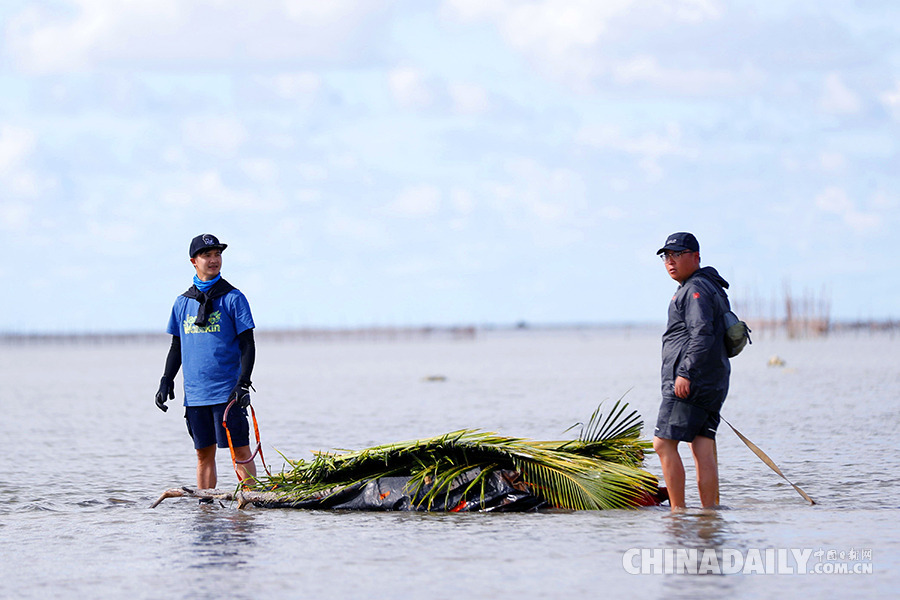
(212, 327)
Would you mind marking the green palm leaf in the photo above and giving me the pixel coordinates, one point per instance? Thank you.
(599, 470)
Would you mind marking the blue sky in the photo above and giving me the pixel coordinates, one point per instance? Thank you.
(443, 162)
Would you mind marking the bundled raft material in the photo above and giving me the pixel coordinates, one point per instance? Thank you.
(503, 492)
(467, 471)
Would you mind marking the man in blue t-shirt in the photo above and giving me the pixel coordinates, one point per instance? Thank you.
(212, 338)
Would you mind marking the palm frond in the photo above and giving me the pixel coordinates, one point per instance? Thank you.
(600, 469)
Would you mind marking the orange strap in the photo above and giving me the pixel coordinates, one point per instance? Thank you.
(234, 461)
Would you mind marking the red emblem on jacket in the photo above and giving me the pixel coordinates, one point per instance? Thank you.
(696, 295)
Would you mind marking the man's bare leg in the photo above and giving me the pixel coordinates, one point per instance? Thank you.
(206, 467)
(673, 470)
(704, 451)
(248, 470)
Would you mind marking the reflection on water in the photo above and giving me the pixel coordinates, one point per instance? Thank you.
(223, 538)
(699, 529)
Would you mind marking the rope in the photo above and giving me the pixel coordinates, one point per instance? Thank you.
(234, 461)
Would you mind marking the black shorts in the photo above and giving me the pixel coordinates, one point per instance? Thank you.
(681, 421)
(204, 423)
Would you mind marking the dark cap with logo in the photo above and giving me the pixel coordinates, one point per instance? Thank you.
(680, 241)
(205, 241)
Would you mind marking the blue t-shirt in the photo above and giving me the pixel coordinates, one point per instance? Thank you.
(211, 355)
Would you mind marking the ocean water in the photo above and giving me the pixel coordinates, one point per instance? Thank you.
(87, 452)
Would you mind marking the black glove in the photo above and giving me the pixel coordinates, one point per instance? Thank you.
(241, 394)
(166, 392)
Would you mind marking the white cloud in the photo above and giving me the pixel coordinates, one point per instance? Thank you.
(579, 15)
(410, 88)
(619, 184)
(209, 186)
(220, 136)
(26, 183)
(176, 198)
(883, 202)
(693, 11)
(548, 202)
(837, 98)
(416, 201)
(174, 155)
(832, 161)
(472, 10)
(208, 189)
(613, 213)
(16, 144)
(17, 178)
(311, 10)
(648, 147)
(646, 69)
(463, 204)
(262, 170)
(826, 161)
(891, 100)
(112, 235)
(308, 196)
(14, 215)
(413, 266)
(469, 98)
(554, 26)
(462, 201)
(294, 86)
(80, 34)
(834, 200)
(358, 232)
(566, 36)
(312, 172)
(212, 191)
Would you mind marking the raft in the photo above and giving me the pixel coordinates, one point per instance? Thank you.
(506, 493)
(466, 471)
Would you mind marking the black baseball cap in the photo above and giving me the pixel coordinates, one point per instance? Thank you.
(205, 241)
(679, 241)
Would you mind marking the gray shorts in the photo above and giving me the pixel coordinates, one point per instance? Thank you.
(681, 421)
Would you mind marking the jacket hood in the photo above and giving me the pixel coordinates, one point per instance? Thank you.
(711, 274)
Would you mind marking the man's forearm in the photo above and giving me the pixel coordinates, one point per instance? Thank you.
(173, 359)
(248, 355)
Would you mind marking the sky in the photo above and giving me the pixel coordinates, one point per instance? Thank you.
(443, 162)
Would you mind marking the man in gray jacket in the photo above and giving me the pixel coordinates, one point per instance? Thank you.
(695, 370)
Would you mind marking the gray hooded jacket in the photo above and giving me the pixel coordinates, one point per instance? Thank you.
(693, 345)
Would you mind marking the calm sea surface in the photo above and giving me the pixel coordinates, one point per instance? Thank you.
(86, 452)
